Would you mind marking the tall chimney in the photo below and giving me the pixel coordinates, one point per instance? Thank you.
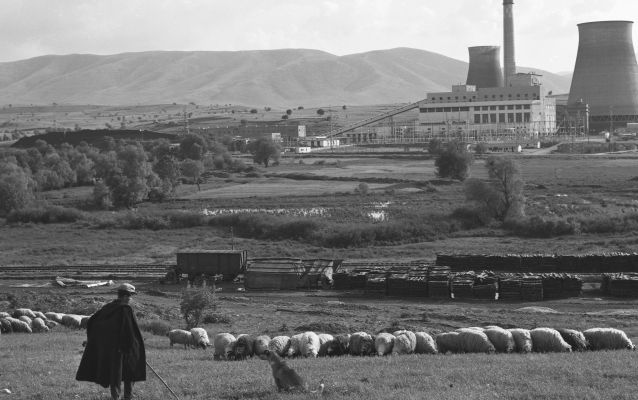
(606, 72)
(509, 61)
(485, 67)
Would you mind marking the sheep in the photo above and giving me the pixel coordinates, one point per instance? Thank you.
(26, 319)
(243, 347)
(310, 344)
(608, 339)
(53, 316)
(383, 343)
(40, 314)
(339, 346)
(425, 344)
(522, 340)
(223, 344)
(502, 339)
(325, 340)
(411, 340)
(547, 340)
(4, 315)
(38, 325)
(403, 344)
(84, 321)
(574, 338)
(361, 344)
(260, 345)
(200, 338)
(280, 345)
(50, 324)
(72, 321)
(5, 325)
(19, 326)
(448, 342)
(475, 341)
(294, 349)
(180, 336)
(18, 312)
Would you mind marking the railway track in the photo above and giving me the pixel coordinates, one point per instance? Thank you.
(87, 271)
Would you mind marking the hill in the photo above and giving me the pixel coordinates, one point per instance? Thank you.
(287, 77)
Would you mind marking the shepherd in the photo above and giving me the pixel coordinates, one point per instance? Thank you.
(114, 350)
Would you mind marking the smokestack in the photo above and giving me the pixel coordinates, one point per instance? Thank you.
(606, 73)
(509, 59)
(485, 67)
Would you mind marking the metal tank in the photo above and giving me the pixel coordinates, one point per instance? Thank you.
(606, 74)
(509, 59)
(485, 67)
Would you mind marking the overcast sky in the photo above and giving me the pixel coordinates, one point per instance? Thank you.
(545, 30)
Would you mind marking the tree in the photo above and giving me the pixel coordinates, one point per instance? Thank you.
(195, 302)
(288, 111)
(263, 150)
(435, 146)
(193, 169)
(320, 111)
(502, 196)
(284, 116)
(168, 171)
(193, 146)
(453, 162)
(16, 186)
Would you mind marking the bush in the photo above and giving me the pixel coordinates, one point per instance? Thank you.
(363, 189)
(156, 327)
(480, 148)
(197, 302)
(453, 162)
(45, 215)
(540, 227)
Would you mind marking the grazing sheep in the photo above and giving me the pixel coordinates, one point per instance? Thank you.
(490, 327)
(180, 336)
(502, 339)
(548, 340)
(200, 338)
(574, 338)
(224, 344)
(40, 314)
(309, 344)
(260, 345)
(38, 325)
(50, 324)
(522, 340)
(72, 321)
(383, 343)
(53, 316)
(361, 344)
(448, 342)
(404, 343)
(5, 325)
(425, 344)
(294, 349)
(325, 339)
(411, 339)
(339, 346)
(26, 319)
(18, 312)
(280, 345)
(4, 315)
(19, 326)
(476, 328)
(475, 341)
(608, 339)
(243, 347)
(84, 321)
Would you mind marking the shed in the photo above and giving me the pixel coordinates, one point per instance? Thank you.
(274, 273)
(318, 274)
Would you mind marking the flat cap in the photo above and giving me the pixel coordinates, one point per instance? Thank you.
(126, 287)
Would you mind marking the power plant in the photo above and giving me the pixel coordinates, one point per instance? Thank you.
(508, 41)
(605, 75)
(485, 67)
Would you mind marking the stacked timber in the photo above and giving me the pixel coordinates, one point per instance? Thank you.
(375, 284)
(485, 285)
(620, 285)
(341, 280)
(552, 286)
(461, 285)
(532, 288)
(439, 282)
(572, 285)
(509, 287)
(398, 284)
(418, 282)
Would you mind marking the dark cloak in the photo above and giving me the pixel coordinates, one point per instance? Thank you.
(114, 349)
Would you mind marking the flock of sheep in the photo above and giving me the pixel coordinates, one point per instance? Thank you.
(24, 320)
(489, 339)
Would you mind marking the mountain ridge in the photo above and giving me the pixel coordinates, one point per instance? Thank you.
(281, 77)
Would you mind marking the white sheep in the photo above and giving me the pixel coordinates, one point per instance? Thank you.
(53, 316)
(50, 324)
(38, 325)
(325, 341)
(180, 336)
(279, 345)
(294, 349)
(425, 343)
(522, 339)
(260, 345)
(608, 339)
(574, 338)
(361, 344)
(404, 343)
(26, 319)
(309, 344)
(4, 315)
(223, 344)
(411, 340)
(243, 347)
(502, 339)
(448, 342)
(200, 338)
(475, 341)
(383, 343)
(548, 340)
(19, 326)
(18, 312)
(40, 314)
(72, 321)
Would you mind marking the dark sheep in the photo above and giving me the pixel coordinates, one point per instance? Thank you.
(574, 338)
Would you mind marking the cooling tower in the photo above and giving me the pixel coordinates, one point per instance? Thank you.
(606, 73)
(509, 60)
(485, 67)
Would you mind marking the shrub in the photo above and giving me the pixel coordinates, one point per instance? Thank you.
(453, 162)
(156, 327)
(540, 227)
(186, 219)
(45, 215)
(196, 302)
(480, 148)
(363, 189)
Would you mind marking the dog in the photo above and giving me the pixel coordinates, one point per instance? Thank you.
(286, 378)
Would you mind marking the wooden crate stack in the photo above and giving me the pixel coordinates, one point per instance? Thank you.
(439, 282)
